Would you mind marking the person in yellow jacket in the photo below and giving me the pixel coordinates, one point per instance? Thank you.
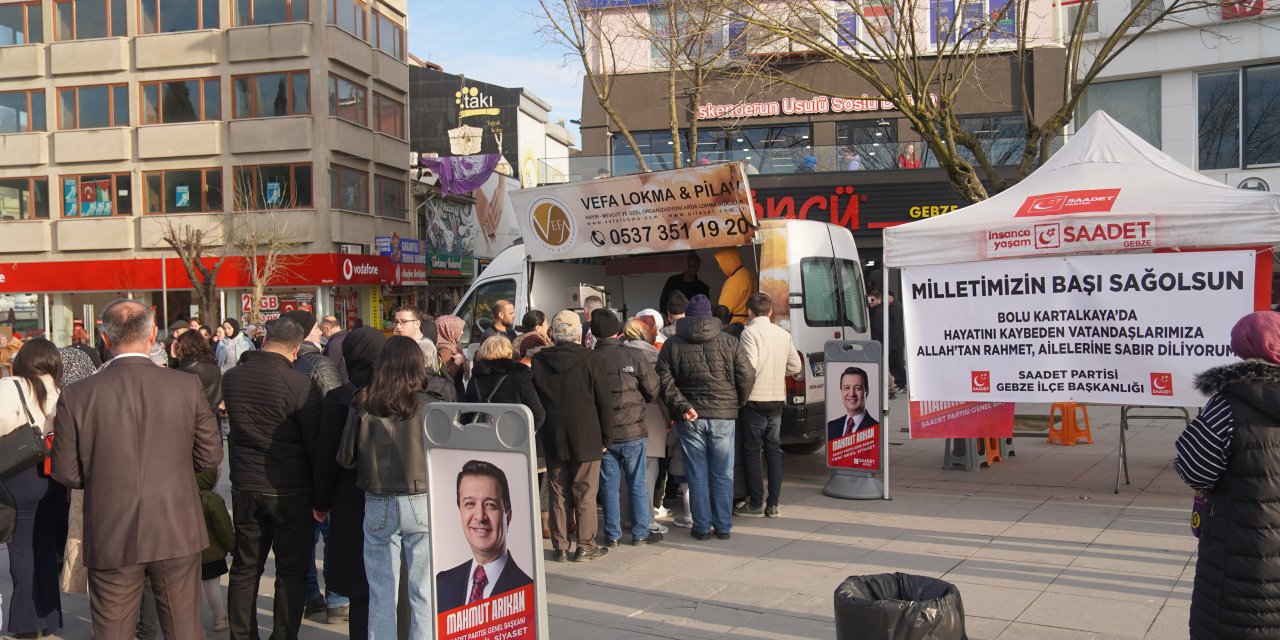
(738, 287)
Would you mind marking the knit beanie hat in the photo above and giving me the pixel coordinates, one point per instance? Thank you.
(676, 303)
(1257, 336)
(699, 306)
(604, 324)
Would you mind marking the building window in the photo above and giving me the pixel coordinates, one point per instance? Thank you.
(279, 186)
(1074, 7)
(251, 12)
(347, 100)
(181, 101)
(391, 198)
(86, 19)
(1003, 139)
(1133, 103)
(1262, 116)
(21, 23)
(169, 16)
(388, 116)
(93, 107)
(1239, 118)
(878, 18)
(350, 16)
(22, 111)
(973, 20)
(92, 196)
(389, 36)
(184, 190)
(24, 199)
(872, 143)
(349, 189)
(272, 94)
(1149, 13)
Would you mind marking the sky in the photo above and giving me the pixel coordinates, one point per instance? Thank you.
(496, 41)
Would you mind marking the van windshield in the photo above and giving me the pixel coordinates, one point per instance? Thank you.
(477, 310)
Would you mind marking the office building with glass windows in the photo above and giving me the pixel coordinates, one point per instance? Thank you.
(122, 118)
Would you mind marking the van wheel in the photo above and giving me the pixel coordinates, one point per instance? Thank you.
(803, 448)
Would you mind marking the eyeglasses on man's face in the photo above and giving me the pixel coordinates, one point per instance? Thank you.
(405, 320)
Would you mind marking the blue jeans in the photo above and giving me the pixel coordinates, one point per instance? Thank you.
(393, 521)
(332, 599)
(625, 459)
(707, 446)
(762, 430)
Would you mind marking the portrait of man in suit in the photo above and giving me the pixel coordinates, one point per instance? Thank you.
(484, 504)
(853, 392)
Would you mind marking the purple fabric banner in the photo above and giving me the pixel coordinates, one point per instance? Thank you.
(462, 174)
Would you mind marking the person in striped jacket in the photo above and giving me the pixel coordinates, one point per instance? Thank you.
(1231, 452)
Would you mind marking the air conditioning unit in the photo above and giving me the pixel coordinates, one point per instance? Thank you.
(357, 249)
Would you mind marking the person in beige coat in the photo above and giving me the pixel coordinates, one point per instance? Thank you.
(772, 355)
(131, 437)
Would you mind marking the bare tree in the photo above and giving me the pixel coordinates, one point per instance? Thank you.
(202, 250)
(923, 66)
(259, 231)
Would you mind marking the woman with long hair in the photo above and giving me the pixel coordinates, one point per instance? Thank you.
(392, 470)
(195, 355)
(30, 395)
(535, 336)
(453, 360)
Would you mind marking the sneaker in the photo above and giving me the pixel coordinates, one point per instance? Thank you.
(611, 543)
(700, 536)
(683, 522)
(748, 511)
(655, 527)
(653, 537)
(315, 606)
(582, 555)
(337, 615)
(220, 624)
(771, 511)
(561, 556)
(661, 513)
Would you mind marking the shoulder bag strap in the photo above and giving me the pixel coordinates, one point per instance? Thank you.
(21, 396)
(487, 398)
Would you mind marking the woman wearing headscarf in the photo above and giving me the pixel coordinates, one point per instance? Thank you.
(336, 491)
(654, 320)
(1231, 452)
(80, 340)
(30, 396)
(639, 332)
(453, 360)
(535, 336)
(232, 345)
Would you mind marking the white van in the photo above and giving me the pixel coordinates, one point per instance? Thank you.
(810, 269)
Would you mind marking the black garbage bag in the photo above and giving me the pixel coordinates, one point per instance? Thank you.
(898, 606)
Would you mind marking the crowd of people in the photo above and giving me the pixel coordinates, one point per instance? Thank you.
(323, 442)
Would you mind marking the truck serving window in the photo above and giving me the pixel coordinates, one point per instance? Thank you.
(477, 310)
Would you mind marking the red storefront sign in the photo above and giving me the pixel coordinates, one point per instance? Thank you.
(304, 270)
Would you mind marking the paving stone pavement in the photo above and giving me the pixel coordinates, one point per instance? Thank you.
(1038, 545)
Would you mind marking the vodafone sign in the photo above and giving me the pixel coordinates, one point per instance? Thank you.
(1065, 202)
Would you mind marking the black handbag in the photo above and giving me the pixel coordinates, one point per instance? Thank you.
(23, 447)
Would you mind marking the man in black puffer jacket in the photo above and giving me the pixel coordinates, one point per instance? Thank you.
(573, 386)
(274, 413)
(706, 378)
(634, 383)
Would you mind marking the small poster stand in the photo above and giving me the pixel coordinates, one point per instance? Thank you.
(857, 446)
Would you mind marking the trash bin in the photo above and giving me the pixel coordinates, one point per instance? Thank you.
(898, 606)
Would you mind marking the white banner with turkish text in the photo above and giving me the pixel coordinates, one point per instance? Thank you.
(1110, 329)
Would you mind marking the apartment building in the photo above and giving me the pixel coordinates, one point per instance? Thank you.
(120, 118)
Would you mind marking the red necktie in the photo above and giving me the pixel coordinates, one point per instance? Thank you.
(849, 426)
(478, 582)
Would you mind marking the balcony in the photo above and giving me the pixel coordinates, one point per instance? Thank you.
(348, 50)
(22, 61)
(269, 41)
(95, 234)
(350, 139)
(390, 151)
(391, 72)
(187, 139)
(102, 55)
(92, 145)
(28, 236)
(24, 149)
(183, 49)
(262, 135)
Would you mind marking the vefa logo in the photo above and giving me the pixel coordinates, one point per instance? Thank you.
(981, 381)
(1048, 236)
(1161, 384)
(552, 225)
(1084, 201)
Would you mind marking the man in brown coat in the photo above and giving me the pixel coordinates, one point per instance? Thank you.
(132, 436)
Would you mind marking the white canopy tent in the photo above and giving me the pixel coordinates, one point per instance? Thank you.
(1104, 175)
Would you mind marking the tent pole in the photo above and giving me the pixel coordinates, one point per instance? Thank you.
(884, 374)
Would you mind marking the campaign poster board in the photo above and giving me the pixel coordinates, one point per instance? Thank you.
(854, 391)
(933, 419)
(664, 211)
(467, 465)
(1105, 329)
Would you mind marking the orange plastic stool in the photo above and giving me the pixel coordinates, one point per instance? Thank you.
(1070, 431)
(989, 448)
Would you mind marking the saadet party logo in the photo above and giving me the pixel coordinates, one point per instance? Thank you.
(1082, 201)
(981, 381)
(1161, 384)
(1048, 236)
